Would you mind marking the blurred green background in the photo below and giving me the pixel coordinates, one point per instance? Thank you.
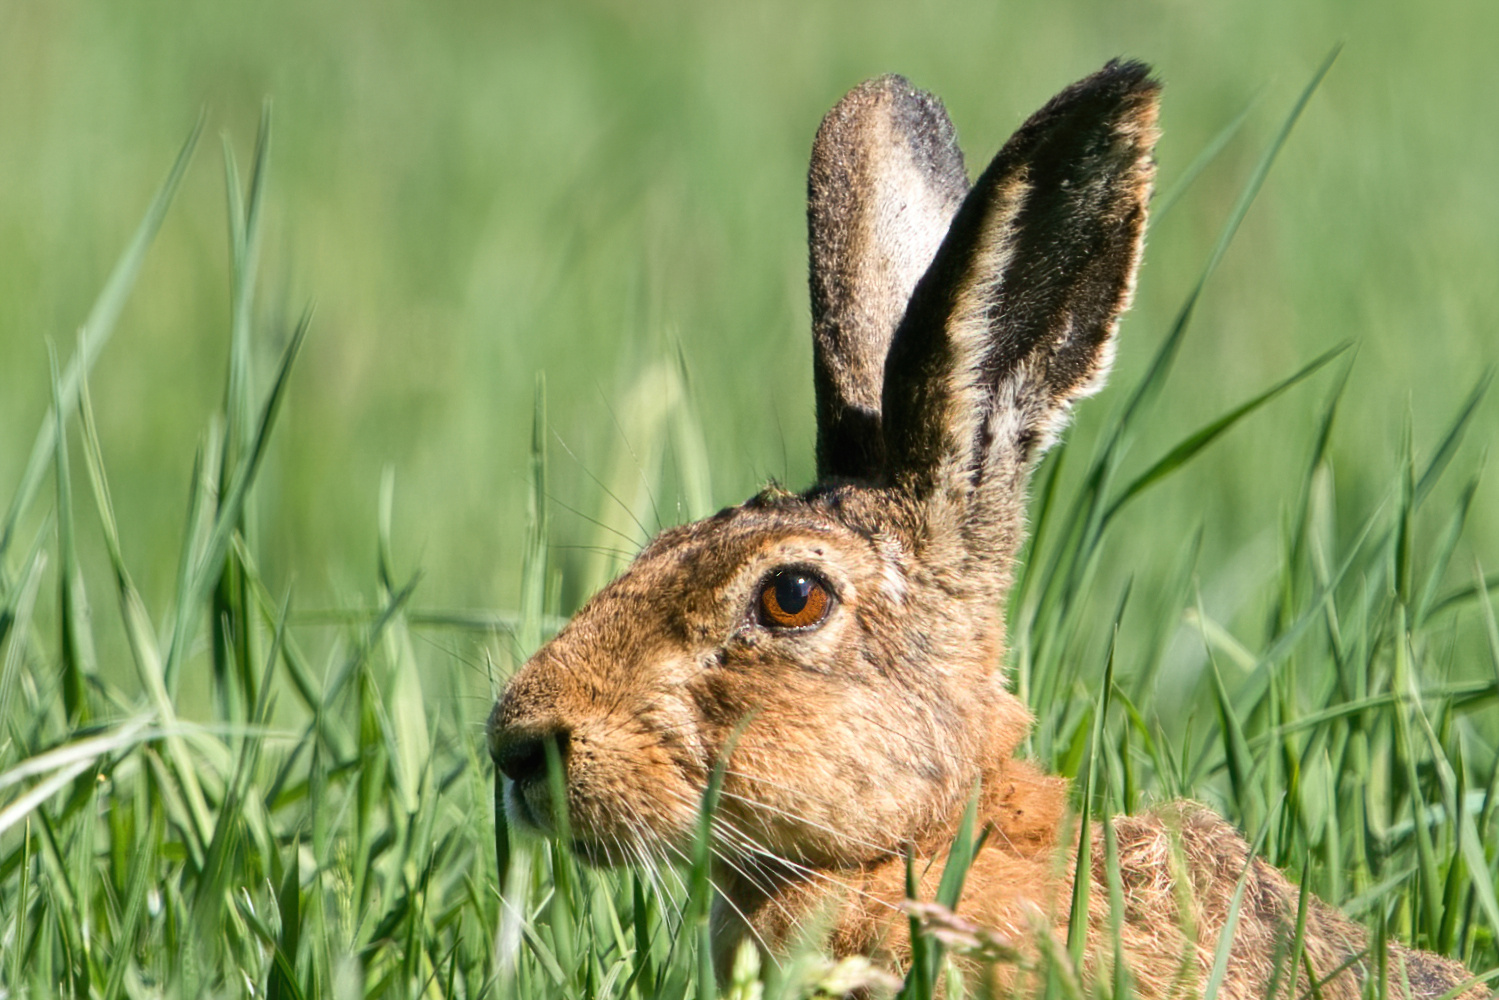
(474, 193)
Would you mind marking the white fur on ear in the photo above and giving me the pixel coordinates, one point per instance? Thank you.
(885, 180)
(970, 324)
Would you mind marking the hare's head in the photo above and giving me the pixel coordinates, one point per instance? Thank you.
(837, 652)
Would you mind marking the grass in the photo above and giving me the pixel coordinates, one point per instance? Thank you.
(239, 727)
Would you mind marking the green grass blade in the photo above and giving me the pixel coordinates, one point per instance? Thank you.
(1303, 519)
(1163, 204)
(143, 871)
(1462, 595)
(97, 329)
(16, 634)
(1470, 845)
(1194, 443)
(700, 890)
(76, 644)
(1122, 987)
(960, 856)
(232, 619)
(1219, 967)
(1240, 762)
(1441, 552)
(1161, 362)
(206, 564)
(244, 258)
(140, 634)
(1402, 685)
(1082, 877)
(1298, 956)
(534, 561)
(1440, 459)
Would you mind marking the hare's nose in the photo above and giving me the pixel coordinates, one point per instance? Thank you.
(522, 757)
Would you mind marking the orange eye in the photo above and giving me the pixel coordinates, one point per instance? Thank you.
(793, 599)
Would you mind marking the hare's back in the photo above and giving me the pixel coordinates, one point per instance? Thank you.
(1180, 870)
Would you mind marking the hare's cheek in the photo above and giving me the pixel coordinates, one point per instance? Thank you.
(847, 775)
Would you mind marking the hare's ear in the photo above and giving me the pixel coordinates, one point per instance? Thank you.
(1016, 315)
(885, 181)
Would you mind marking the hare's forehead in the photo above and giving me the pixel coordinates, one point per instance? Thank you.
(735, 548)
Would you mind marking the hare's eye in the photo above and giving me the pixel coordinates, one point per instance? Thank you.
(792, 598)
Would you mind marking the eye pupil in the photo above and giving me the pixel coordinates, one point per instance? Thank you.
(792, 591)
(793, 600)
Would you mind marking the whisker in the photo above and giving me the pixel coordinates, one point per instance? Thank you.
(797, 867)
(752, 848)
(639, 468)
(596, 522)
(729, 902)
(653, 871)
(743, 917)
(808, 821)
(608, 492)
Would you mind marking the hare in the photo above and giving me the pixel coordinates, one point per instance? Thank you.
(837, 653)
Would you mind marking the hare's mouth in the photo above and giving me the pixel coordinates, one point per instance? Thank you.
(519, 811)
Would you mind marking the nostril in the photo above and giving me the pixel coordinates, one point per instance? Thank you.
(523, 756)
(522, 759)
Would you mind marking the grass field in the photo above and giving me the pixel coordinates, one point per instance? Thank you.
(307, 511)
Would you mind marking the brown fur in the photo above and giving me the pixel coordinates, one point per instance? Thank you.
(952, 329)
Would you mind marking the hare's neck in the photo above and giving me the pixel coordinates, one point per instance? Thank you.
(858, 909)
(1024, 806)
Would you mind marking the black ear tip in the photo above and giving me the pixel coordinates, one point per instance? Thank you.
(1123, 95)
(1128, 70)
(891, 87)
(1126, 78)
(890, 81)
(1128, 73)
(914, 111)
